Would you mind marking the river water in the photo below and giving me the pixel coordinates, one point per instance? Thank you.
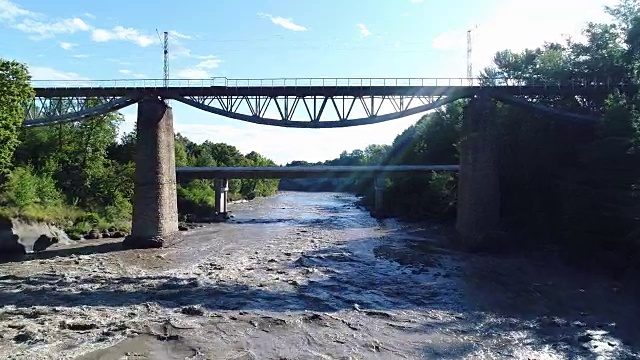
(308, 276)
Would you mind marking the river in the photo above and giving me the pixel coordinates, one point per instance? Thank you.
(308, 276)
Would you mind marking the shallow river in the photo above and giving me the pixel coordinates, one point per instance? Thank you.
(308, 276)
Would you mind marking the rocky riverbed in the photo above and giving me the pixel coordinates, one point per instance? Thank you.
(307, 276)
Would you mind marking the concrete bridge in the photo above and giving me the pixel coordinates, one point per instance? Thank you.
(301, 103)
(223, 174)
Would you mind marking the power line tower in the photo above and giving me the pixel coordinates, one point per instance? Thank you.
(469, 63)
(165, 48)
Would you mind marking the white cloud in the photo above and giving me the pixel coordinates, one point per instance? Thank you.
(123, 34)
(66, 45)
(453, 39)
(120, 62)
(194, 73)
(89, 15)
(179, 35)
(80, 56)
(10, 11)
(45, 30)
(124, 71)
(33, 23)
(140, 76)
(515, 25)
(363, 30)
(201, 70)
(417, 1)
(286, 23)
(47, 73)
(177, 49)
(209, 62)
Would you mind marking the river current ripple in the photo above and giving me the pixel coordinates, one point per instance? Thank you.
(308, 276)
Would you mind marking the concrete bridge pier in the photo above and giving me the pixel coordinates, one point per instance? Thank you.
(155, 208)
(221, 201)
(478, 187)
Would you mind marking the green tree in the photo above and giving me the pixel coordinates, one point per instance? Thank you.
(15, 91)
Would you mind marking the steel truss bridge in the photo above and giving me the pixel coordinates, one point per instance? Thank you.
(299, 103)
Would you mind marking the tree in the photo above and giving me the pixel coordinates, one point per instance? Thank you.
(15, 91)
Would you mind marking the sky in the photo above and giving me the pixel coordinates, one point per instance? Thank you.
(259, 39)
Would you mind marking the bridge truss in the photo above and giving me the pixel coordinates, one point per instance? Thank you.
(298, 103)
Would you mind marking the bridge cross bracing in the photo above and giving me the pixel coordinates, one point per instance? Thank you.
(300, 103)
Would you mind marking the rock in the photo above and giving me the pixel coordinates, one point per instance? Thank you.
(92, 235)
(118, 234)
(43, 242)
(106, 235)
(26, 336)
(182, 227)
(192, 310)
(78, 326)
(112, 229)
(18, 237)
(140, 242)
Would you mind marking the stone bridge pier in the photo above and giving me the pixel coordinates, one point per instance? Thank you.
(155, 208)
(478, 210)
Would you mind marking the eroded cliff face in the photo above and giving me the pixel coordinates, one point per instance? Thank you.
(19, 237)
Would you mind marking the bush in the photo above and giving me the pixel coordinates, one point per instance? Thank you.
(24, 187)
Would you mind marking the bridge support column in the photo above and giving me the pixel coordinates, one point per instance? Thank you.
(379, 186)
(222, 192)
(478, 187)
(155, 208)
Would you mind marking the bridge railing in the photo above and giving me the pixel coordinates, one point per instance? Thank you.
(324, 82)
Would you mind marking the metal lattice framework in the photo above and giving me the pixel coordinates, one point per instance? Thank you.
(48, 111)
(300, 103)
(311, 111)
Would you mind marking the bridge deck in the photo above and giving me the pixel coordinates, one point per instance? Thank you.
(300, 91)
(276, 172)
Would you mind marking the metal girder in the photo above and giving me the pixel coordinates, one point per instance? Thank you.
(48, 111)
(316, 111)
(301, 103)
(293, 172)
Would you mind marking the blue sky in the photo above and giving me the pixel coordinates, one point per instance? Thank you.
(117, 39)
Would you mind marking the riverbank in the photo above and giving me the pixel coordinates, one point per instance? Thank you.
(307, 276)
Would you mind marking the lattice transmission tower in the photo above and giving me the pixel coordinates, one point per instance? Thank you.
(469, 63)
(165, 48)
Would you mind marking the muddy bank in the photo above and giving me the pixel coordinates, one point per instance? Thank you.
(307, 276)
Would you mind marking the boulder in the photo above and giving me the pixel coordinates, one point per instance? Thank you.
(92, 235)
(19, 237)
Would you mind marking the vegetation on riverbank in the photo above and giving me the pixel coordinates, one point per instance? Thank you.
(80, 175)
(573, 185)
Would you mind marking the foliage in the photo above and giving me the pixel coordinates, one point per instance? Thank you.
(15, 90)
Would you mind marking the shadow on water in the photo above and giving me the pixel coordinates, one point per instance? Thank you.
(89, 249)
(491, 296)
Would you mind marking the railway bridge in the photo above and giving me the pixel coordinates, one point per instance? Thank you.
(303, 103)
